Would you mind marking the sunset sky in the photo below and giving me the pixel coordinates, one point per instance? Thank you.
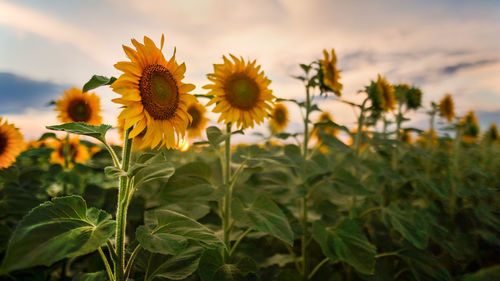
(440, 46)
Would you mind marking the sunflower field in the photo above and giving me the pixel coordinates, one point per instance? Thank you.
(177, 200)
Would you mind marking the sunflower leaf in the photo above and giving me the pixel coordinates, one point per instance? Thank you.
(97, 81)
(57, 229)
(98, 132)
(169, 233)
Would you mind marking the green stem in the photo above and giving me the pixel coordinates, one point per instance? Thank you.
(66, 163)
(361, 121)
(131, 260)
(317, 267)
(303, 202)
(226, 222)
(238, 241)
(121, 213)
(112, 152)
(387, 254)
(290, 250)
(373, 209)
(106, 264)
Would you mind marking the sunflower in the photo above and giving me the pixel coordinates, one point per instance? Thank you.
(386, 91)
(11, 144)
(77, 152)
(199, 121)
(154, 97)
(405, 136)
(470, 127)
(329, 73)
(240, 92)
(447, 108)
(75, 106)
(326, 129)
(491, 135)
(40, 143)
(279, 118)
(381, 95)
(429, 135)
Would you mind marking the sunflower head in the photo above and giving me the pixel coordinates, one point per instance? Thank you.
(75, 106)
(428, 138)
(279, 118)
(491, 135)
(154, 97)
(11, 144)
(470, 127)
(326, 129)
(387, 93)
(240, 92)
(199, 121)
(381, 94)
(78, 153)
(405, 136)
(329, 74)
(447, 108)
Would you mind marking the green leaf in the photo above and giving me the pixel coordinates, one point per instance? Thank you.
(190, 182)
(176, 267)
(424, 266)
(96, 276)
(215, 136)
(347, 243)
(57, 229)
(213, 268)
(168, 232)
(113, 171)
(411, 226)
(484, 274)
(48, 136)
(97, 81)
(98, 132)
(153, 170)
(265, 216)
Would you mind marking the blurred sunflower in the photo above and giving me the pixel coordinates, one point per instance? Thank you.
(387, 93)
(381, 94)
(40, 143)
(447, 108)
(329, 73)
(470, 127)
(199, 121)
(428, 136)
(326, 129)
(364, 138)
(241, 93)
(11, 144)
(75, 106)
(78, 153)
(405, 136)
(154, 96)
(491, 135)
(279, 118)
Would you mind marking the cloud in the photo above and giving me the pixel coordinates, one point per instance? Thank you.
(18, 93)
(451, 69)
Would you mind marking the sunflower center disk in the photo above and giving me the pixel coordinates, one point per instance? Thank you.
(3, 143)
(242, 91)
(195, 114)
(79, 111)
(279, 116)
(159, 92)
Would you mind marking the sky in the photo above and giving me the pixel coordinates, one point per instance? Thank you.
(448, 46)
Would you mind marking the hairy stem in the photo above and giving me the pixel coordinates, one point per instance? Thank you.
(121, 213)
(226, 222)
